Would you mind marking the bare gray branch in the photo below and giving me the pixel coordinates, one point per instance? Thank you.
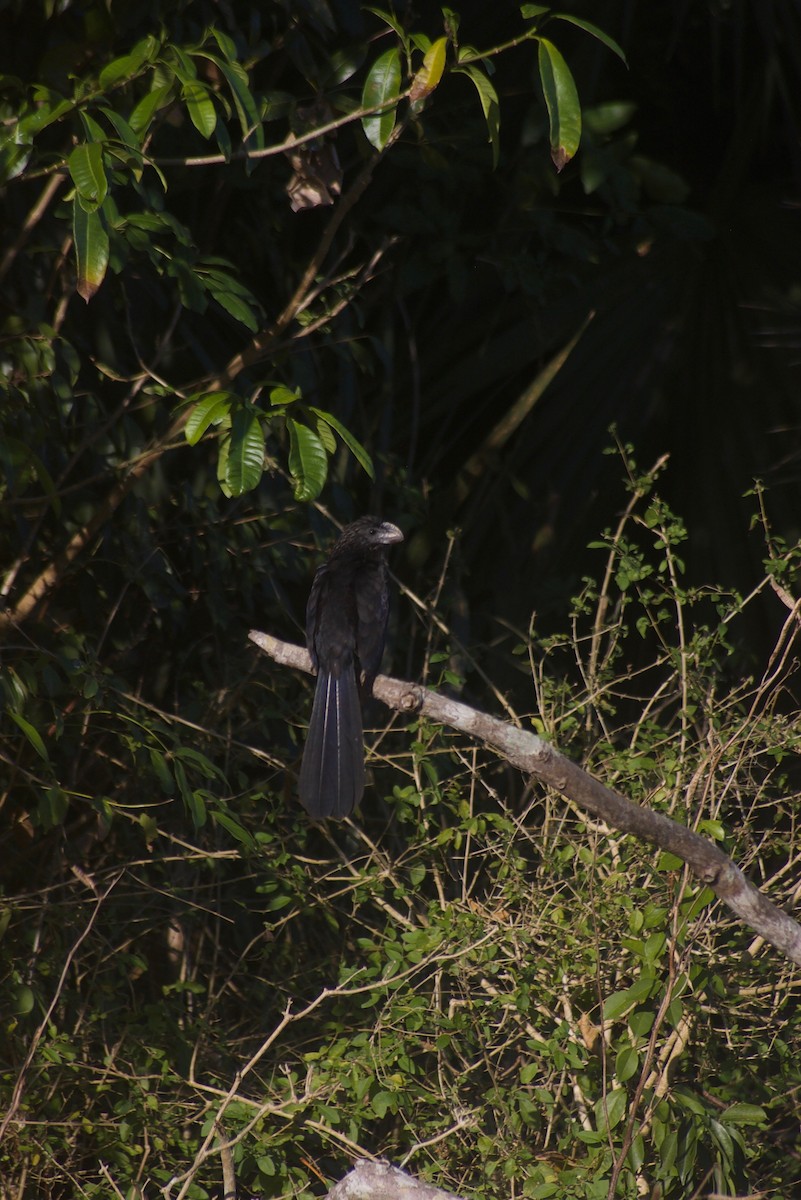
(533, 756)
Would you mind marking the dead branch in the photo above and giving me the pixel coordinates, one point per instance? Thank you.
(533, 756)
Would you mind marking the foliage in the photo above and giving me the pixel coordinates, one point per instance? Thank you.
(118, 118)
(473, 979)
(255, 257)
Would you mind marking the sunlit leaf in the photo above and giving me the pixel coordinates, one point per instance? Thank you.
(489, 103)
(326, 436)
(284, 395)
(93, 129)
(226, 44)
(209, 410)
(561, 99)
(179, 62)
(627, 1063)
(129, 65)
(200, 107)
(86, 168)
(142, 115)
(308, 461)
(620, 1002)
(430, 73)
(91, 249)
(245, 463)
(609, 1109)
(382, 85)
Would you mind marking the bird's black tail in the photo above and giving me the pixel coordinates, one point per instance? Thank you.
(332, 772)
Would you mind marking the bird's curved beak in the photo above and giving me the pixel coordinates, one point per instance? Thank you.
(388, 533)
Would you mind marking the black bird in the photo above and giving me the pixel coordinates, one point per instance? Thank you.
(346, 624)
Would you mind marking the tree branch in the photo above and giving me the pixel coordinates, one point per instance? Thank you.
(533, 756)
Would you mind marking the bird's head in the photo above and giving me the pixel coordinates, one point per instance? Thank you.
(369, 531)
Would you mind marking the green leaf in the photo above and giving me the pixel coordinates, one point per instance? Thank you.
(196, 805)
(610, 1109)
(13, 159)
(233, 827)
(245, 464)
(226, 44)
(744, 1114)
(308, 461)
(382, 1103)
(381, 87)
(284, 395)
(530, 12)
(356, 448)
(237, 307)
(205, 765)
(149, 827)
(389, 18)
(609, 117)
(342, 65)
(636, 1154)
(430, 73)
(588, 27)
(162, 771)
(93, 129)
(91, 249)
(489, 103)
(52, 808)
(124, 131)
(31, 733)
(246, 108)
(179, 62)
(24, 1000)
(326, 436)
(129, 65)
(200, 106)
(142, 115)
(620, 1002)
(627, 1063)
(86, 168)
(561, 99)
(209, 410)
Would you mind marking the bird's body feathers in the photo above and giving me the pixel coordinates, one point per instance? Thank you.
(346, 624)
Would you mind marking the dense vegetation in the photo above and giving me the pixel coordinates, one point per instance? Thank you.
(520, 267)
